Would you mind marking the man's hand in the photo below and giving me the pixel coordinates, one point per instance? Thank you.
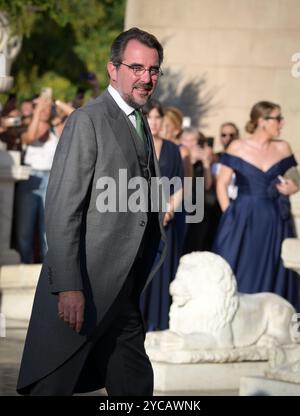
(71, 308)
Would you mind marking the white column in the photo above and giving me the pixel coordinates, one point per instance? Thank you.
(10, 172)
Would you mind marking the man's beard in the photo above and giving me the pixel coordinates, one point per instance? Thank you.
(132, 101)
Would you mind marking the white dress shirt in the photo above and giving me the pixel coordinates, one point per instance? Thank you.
(128, 110)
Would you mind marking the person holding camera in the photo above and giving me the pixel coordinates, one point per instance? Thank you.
(228, 132)
(41, 144)
(199, 236)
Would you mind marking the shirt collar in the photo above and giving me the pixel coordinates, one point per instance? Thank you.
(128, 110)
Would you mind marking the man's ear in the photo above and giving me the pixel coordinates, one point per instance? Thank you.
(112, 71)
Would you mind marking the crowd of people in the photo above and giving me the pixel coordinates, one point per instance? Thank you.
(34, 128)
(244, 197)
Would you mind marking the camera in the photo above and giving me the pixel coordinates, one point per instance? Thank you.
(206, 141)
(46, 92)
(210, 141)
(53, 110)
(11, 121)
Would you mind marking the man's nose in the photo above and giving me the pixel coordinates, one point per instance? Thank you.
(146, 77)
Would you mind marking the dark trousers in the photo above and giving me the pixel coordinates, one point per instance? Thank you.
(116, 359)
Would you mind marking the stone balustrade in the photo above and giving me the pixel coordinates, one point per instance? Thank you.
(11, 171)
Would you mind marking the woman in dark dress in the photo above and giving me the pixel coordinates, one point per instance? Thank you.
(200, 235)
(155, 301)
(254, 225)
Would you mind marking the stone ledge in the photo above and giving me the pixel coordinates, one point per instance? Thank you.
(17, 287)
(261, 386)
(19, 276)
(203, 376)
(15, 173)
(290, 253)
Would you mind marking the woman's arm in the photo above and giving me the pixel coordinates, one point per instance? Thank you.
(33, 132)
(207, 162)
(187, 170)
(289, 184)
(223, 181)
(66, 108)
(174, 202)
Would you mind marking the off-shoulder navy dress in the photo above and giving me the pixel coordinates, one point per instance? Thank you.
(253, 228)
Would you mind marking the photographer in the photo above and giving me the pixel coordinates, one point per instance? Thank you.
(201, 154)
(199, 236)
(30, 195)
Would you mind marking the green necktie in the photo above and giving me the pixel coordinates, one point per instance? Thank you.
(140, 126)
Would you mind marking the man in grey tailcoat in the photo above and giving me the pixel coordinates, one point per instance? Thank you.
(86, 331)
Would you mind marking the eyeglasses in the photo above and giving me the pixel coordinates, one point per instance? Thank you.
(278, 118)
(139, 70)
(231, 135)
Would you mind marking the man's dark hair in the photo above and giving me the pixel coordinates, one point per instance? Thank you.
(119, 44)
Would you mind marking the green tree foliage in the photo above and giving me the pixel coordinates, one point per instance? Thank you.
(61, 40)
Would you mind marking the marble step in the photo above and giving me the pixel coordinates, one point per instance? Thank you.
(290, 254)
(17, 288)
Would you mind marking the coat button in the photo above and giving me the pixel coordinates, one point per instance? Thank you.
(142, 223)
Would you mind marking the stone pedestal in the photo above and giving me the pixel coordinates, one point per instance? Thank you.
(17, 286)
(291, 246)
(5, 83)
(295, 203)
(290, 254)
(10, 172)
(261, 386)
(203, 376)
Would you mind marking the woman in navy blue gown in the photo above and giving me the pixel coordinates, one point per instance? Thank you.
(155, 301)
(253, 226)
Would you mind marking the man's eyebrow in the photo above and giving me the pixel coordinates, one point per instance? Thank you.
(136, 64)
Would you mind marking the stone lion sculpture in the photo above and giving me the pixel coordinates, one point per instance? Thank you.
(207, 312)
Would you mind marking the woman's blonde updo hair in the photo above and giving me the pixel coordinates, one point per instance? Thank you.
(261, 109)
(176, 118)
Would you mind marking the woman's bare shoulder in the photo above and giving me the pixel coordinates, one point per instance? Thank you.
(235, 147)
(283, 147)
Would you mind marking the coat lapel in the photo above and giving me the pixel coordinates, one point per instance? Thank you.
(125, 134)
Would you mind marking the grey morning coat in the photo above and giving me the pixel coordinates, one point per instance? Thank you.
(88, 250)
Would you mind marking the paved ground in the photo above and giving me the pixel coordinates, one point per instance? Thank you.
(10, 356)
